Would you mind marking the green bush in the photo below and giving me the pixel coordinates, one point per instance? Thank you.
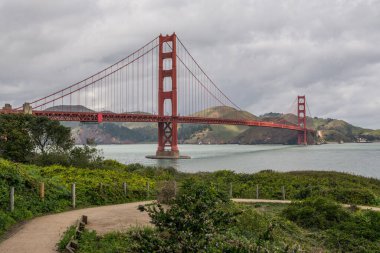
(320, 213)
(194, 218)
(359, 233)
(349, 196)
(342, 230)
(6, 221)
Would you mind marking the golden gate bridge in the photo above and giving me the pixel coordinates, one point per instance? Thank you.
(160, 82)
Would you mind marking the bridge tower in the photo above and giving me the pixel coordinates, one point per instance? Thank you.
(301, 112)
(167, 130)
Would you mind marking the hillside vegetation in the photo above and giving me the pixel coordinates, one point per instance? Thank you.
(104, 186)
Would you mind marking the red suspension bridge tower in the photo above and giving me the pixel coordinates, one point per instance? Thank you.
(167, 91)
(301, 112)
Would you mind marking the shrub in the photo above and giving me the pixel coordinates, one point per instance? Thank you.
(67, 235)
(348, 196)
(342, 230)
(167, 191)
(5, 221)
(318, 212)
(194, 218)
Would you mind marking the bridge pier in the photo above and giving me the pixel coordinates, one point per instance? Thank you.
(167, 131)
(27, 109)
(7, 107)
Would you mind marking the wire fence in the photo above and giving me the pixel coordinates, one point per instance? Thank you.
(80, 196)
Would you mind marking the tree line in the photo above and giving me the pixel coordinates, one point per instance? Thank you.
(41, 141)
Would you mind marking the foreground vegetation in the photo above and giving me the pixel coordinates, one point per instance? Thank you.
(104, 186)
(203, 219)
(93, 187)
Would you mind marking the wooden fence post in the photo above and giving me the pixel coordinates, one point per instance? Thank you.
(147, 190)
(125, 188)
(283, 192)
(231, 190)
(42, 191)
(73, 196)
(12, 199)
(257, 191)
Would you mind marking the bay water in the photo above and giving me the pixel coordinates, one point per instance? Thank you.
(355, 158)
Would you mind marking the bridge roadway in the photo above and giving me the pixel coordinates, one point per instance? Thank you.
(132, 117)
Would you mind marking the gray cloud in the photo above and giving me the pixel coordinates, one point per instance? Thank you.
(261, 53)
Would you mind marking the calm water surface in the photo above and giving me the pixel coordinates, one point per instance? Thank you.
(362, 159)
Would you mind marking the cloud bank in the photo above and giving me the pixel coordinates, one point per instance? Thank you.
(261, 53)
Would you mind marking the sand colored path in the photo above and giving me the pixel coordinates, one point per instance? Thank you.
(40, 235)
(273, 201)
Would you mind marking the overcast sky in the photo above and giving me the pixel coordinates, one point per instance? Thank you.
(261, 53)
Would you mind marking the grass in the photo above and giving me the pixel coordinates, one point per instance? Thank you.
(66, 237)
(340, 187)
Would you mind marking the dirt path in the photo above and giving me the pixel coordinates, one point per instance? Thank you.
(274, 201)
(41, 234)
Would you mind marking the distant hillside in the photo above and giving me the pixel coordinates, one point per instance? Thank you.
(68, 108)
(219, 134)
(225, 112)
(264, 135)
(261, 135)
(339, 130)
(329, 130)
(112, 133)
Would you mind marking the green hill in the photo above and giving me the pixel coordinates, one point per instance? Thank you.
(328, 130)
(219, 134)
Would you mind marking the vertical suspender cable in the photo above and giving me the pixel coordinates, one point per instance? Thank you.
(142, 80)
(152, 78)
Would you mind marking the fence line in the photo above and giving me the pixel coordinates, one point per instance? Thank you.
(124, 192)
(230, 190)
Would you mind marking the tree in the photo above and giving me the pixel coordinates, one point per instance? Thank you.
(15, 142)
(23, 137)
(48, 135)
(85, 157)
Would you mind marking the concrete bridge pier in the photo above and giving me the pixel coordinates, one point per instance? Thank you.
(27, 108)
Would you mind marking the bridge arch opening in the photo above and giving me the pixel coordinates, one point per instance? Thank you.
(168, 107)
(168, 85)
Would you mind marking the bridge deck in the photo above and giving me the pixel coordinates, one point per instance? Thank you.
(133, 117)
